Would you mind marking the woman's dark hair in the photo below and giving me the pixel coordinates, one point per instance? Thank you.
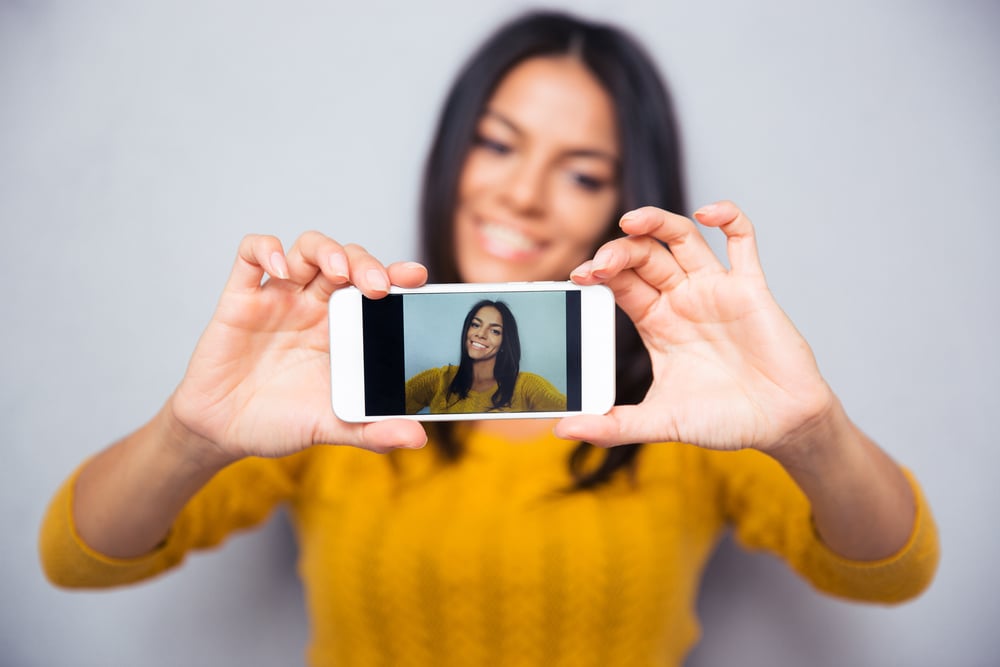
(508, 358)
(649, 173)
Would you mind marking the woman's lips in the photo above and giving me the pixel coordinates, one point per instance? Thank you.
(507, 242)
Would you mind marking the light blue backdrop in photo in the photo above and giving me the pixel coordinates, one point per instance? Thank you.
(432, 325)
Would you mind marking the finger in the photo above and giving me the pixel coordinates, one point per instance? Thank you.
(632, 294)
(318, 263)
(679, 233)
(601, 430)
(642, 254)
(407, 274)
(378, 437)
(367, 273)
(393, 434)
(637, 269)
(623, 424)
(741, 240)
(257, 254)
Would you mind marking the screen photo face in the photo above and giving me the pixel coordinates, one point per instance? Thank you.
(472, 352)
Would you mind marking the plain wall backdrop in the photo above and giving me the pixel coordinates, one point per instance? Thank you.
(139, 142)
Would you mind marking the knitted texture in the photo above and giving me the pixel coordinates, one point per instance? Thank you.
(532, 393)
(407, 560)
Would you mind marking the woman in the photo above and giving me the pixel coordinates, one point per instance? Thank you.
(481, 556)
(488, 377)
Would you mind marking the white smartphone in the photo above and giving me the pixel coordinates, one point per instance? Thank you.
(473, 351)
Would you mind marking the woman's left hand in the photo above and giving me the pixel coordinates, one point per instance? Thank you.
(730, 371)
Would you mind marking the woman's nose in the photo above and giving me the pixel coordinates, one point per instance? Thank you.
(525, 187)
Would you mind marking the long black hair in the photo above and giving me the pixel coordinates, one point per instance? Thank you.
(650, 170)
(508, 358)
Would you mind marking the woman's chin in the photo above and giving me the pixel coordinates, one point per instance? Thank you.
(505, 273)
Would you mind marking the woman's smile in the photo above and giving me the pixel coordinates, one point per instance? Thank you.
(506, 241)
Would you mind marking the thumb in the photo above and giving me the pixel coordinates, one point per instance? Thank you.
(393, 434)
(601, 430)
(379, 437)
(623, 424)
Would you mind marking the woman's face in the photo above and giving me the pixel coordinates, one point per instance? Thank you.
(540, 183)
(485, 334)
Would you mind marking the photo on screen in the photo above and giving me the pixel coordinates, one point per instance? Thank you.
(529, 356)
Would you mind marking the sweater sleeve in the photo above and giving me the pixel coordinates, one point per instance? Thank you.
(240, 496)
(540, 395)
(770, 512)
(421, 389)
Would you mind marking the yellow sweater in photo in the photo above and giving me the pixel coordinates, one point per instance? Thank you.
(532, 393)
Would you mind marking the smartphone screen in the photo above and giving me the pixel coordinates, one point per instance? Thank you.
(415, 345)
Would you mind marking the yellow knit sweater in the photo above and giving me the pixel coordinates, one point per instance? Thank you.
(409, 561)
(532, 393)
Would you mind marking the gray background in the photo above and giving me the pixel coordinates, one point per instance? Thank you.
(140, 141)
(432, 324)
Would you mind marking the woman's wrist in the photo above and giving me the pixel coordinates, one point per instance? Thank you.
(191, 449)
(826, 435)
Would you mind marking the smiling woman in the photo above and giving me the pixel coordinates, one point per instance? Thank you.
(488, 377)
(516, 542)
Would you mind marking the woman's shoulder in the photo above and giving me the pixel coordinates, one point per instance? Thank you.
(441, 373)
(529, 378)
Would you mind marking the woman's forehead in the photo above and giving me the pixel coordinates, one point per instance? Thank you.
(489, 315)
(556, 98)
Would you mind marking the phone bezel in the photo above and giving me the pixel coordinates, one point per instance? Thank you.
(597, 341)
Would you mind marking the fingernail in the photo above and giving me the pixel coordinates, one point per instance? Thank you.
(376, 280)
(602, 259)
(583, 270)
(279, 266)
(709, 209)
(338, 263)
(413, 265)
(628, 216)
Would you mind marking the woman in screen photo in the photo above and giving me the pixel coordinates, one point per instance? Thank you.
(488, 377)
(580, 541)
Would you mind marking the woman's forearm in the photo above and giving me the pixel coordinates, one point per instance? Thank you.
(862, 504)
(127, 497)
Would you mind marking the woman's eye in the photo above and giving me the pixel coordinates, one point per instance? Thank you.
(588, 183)
(493, 145)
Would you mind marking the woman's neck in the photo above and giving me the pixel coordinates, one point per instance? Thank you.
(518, 431)
(482, 374)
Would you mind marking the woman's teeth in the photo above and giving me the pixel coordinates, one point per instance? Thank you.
(506, 239)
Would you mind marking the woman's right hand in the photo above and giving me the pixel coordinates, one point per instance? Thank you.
(258, 383)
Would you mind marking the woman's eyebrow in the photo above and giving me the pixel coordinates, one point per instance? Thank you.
(498, 325)
(496, 115)
(577, 152)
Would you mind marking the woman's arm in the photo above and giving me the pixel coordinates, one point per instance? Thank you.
(862, 504)
(127, 497)
(422, 388)
(540, 395)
